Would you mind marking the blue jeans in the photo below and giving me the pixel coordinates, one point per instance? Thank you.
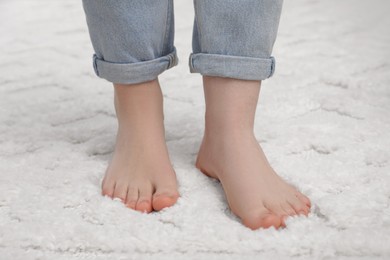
(134, 39)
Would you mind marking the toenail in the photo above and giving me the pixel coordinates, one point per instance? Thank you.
(142, 211)
(118, 199)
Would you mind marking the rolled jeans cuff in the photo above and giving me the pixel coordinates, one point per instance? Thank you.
(132, 73)
(238, 67)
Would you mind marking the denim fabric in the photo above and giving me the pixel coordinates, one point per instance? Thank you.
(134, 39)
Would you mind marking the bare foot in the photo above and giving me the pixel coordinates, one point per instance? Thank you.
(230, 153)
(140, 173)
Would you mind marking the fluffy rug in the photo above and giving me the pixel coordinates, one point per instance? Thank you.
(323, 120)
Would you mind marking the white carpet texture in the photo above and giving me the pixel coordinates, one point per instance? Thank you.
(323, 120)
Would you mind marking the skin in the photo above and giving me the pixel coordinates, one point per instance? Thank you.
(140, 172)
(230, 153)
(141, 175)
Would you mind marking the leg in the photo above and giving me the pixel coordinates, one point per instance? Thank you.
(230, 153)
(133, 42)
(232, 70)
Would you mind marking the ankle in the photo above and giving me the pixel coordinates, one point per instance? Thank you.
(218, 133)
(226, 123)
(139, 104)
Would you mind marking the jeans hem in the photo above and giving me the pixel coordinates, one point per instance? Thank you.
(132, 73)
(238, 67)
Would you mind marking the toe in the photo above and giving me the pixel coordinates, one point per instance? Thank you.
(276, 209)
(132, 197)
(304, 199)
(282, 211)
(120, 191)
(299, 207)
(144, 206)
(262, 218)
(144, 203)
(289, 211)
(164, 200)
(108, 188)
(271, 221)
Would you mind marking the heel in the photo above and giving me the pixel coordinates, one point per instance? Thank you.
(197, 165)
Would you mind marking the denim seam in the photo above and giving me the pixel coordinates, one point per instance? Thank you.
(197, 25)
(167, 28)
(95, 68)
(191, 64)
(272, 66)
(170, 62)
(173, 59)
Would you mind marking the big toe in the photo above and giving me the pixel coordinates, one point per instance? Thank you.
(163, 200)
(261, 219)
